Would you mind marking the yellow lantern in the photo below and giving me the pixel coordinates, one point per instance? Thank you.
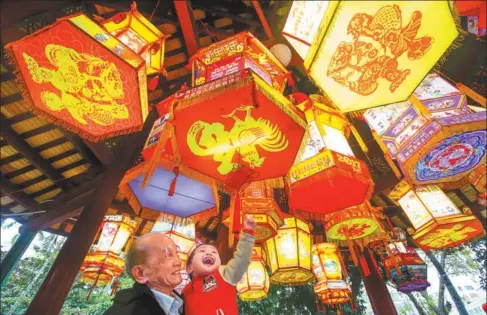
(102, 265)
(140, 35)
(255, 283)
(369, 53)
(182, 231)
(257, 201)
(436, 219)
(328, 269)
(289, 253)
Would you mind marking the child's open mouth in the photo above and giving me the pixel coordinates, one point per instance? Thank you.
(208, 261)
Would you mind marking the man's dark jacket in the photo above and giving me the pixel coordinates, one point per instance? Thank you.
(139, 300)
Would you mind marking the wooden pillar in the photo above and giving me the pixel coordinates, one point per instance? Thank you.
(51, 295)
(376, 288)
(15, 253)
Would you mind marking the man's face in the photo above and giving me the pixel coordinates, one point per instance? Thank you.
(205, 261)
(162, 267)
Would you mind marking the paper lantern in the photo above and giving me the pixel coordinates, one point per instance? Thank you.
(289, 253)
(475, 11)
(257, 201)
(435, 137)
(327, 169)
(437, 221)
(413, 270)
(328, 269)
(283, 53)
(369, 53)
(102, 265)
(140, 35)
(170, 192)
(237, 129)
(255, 284)
(234, 54)
(181, 231)
(478, 179)
(76, 75)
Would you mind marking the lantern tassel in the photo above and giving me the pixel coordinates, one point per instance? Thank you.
(89, 293)
(364, 265)
(352, 251)
(152, 83)
(374, 262)
(339, 311)
(114, 287)
(172, 187)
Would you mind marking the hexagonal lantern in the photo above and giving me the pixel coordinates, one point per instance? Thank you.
(369, 53)
(255, 284)
(478, 179)
(435, 137)
(327, 169)
(289, 253)
(437, 222)
(257, 201)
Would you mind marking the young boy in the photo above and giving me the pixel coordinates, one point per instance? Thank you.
(212, 287)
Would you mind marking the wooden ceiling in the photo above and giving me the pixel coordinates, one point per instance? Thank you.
(48, 174)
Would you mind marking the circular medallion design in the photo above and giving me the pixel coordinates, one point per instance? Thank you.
(453, 156)
(292, 277)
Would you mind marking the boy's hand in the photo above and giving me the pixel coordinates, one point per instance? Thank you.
(249, 223)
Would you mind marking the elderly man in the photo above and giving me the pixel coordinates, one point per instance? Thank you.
(154, 264)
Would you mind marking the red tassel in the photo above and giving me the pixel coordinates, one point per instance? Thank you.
(374, 262)
(89, 293)
(114, 287)
(172, 187)
(236, 215)
(152, 84)
(119, 17)
(365, 266)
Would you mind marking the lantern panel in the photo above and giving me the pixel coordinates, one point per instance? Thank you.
(434, 86)
(416, 211)
(237, 124)
(415, 36)
(78, 48)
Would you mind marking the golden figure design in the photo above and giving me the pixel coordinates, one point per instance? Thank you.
(443, 237)
(212, 139)
(89, 87)
(360, 64)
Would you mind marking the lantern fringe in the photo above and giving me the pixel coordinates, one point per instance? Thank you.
(28, 102)
(458, 42)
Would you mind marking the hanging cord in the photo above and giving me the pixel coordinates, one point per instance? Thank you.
(154, 11)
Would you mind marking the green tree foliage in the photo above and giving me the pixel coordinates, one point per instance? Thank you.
(479, 249)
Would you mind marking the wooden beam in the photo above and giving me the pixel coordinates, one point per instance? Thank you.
(16, 141)
(65, 268)
(94, 158)
(10, 99)
(188, 25)
(18, 195)
(262, 19)
(228, 15)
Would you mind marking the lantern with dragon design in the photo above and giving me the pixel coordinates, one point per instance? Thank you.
(237, 129)
(256, 200)
(412, 276)
(437, 221)
(289, 253)
(234, 54)
(255, 284)
(355, 226)
(181, 231)
(435, 137)
(330, 271)
(327, 168)
(140, 35)
(104, 264)
(76, 75)
(369, 53)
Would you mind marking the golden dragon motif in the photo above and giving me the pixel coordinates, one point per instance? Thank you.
(244, 137)
(89, 86)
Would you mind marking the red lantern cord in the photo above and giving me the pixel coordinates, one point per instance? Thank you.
(364, 265)
(374, 262)
(172, 187)
(154, 11)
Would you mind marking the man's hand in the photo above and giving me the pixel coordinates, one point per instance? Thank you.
(249, 223)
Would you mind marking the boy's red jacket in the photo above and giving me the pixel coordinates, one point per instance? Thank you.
(215, 294)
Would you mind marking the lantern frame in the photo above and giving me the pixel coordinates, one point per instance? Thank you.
(256, 292)
(124, 23)
(299, 273)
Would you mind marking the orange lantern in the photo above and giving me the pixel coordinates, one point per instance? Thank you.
(76, 75)
(289, 253)
(257, 200)
(327, 169)
(102, 265)
(478, 179)
(369, 53)
(328, 269)
(255, 284)
(234, 54)
(237, 129)
(413, 275)
(140, 35)
(181, 231)
(436, 219)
